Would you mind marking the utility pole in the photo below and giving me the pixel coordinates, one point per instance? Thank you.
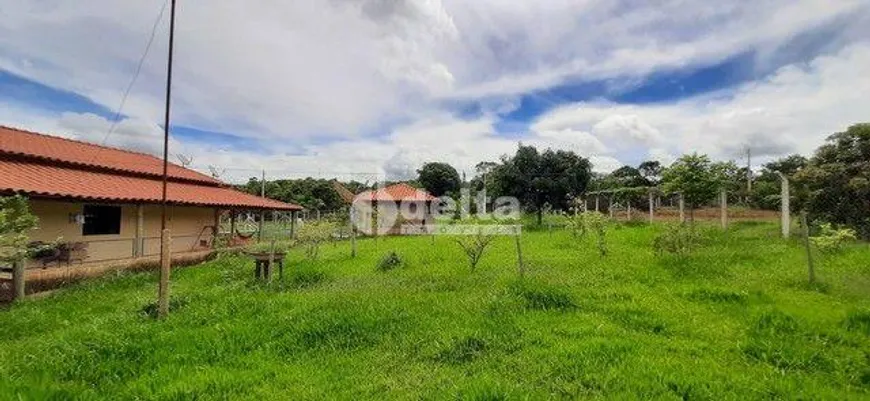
(262, 211)
(165, 238)
(748, 170)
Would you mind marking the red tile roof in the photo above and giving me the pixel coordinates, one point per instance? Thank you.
(396, 192)
(54, 149)
(60, 168)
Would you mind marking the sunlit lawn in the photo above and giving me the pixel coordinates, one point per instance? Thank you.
(734, 320)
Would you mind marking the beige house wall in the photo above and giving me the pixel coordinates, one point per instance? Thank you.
(189, 225)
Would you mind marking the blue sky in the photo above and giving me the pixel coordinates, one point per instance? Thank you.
(403, 83)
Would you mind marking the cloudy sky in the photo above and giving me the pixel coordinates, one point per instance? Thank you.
(369, 89)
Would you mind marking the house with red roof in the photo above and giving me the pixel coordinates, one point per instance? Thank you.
(394, 206)
(104, 203)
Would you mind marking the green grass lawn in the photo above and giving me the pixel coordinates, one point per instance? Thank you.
(734, 320)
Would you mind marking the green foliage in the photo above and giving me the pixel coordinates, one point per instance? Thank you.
(676, 239)
(594, 222)
(581, 327)
(474, 246)
(15, 223)
(830, 239)
(541, 180)
(693, 176)
(390, 261)
(265, 247)
(439, 178)
(313, 233)
(838, 180)
(311, 193)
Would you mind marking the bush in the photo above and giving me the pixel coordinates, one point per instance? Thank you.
(390, 261)
(314, 233)
(595, 222)
(677, 239)
(830, 239)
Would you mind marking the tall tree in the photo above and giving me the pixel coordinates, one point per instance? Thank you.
(651, 170)
(541, 179)
(838, 180)
(439, 178)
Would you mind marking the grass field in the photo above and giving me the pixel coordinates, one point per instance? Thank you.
(734, 320)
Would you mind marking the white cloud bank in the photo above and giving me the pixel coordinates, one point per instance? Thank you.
(299, 72)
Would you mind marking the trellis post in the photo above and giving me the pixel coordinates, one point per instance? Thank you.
(682, 208)
(610, 206)
(651, 207)
(785, 212)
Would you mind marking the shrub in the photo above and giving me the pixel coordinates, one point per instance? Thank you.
(830, 239)
(594, 222)
(15, 222)
(474, 246)
(314, 233)
(677, 239)
(390, 261)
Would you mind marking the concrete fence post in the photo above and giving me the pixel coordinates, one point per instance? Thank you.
(165, 268)
(682, 209)
(785, 206)
(651, 207)
(723, 207)
(596, 202)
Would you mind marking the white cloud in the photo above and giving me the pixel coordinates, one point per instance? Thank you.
(304, 69)
(294, 73)
(793, 110)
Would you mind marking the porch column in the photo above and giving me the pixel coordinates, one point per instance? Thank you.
(215, 230)
(232, 226)
(139, 241)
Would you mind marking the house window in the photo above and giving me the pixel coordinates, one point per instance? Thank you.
(101, 220)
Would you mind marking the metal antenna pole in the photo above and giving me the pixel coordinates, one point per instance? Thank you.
(165, 240)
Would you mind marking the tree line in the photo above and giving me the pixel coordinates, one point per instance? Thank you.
(832, 185)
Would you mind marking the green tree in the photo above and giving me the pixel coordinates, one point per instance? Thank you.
(538, 180)
(15, 223)
(439, 178)
(651, 170)
(838, 180)
(766, 188)
(693, 176)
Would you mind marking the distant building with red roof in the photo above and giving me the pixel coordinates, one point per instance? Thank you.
(109, 198)
(384, 203)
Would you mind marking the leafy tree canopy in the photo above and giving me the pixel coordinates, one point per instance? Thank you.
(439, 178)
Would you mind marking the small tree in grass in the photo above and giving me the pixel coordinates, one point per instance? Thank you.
(314, 233)
(694, 177)
(15, 222)
(591, 221)
(474, 246)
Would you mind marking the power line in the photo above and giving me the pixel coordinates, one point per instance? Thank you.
(138, 70)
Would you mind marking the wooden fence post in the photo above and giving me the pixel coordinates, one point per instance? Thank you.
(785, 203)
(723, 206)
(812, 270)
(165, 269)
(520, 267)
(18, 278)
